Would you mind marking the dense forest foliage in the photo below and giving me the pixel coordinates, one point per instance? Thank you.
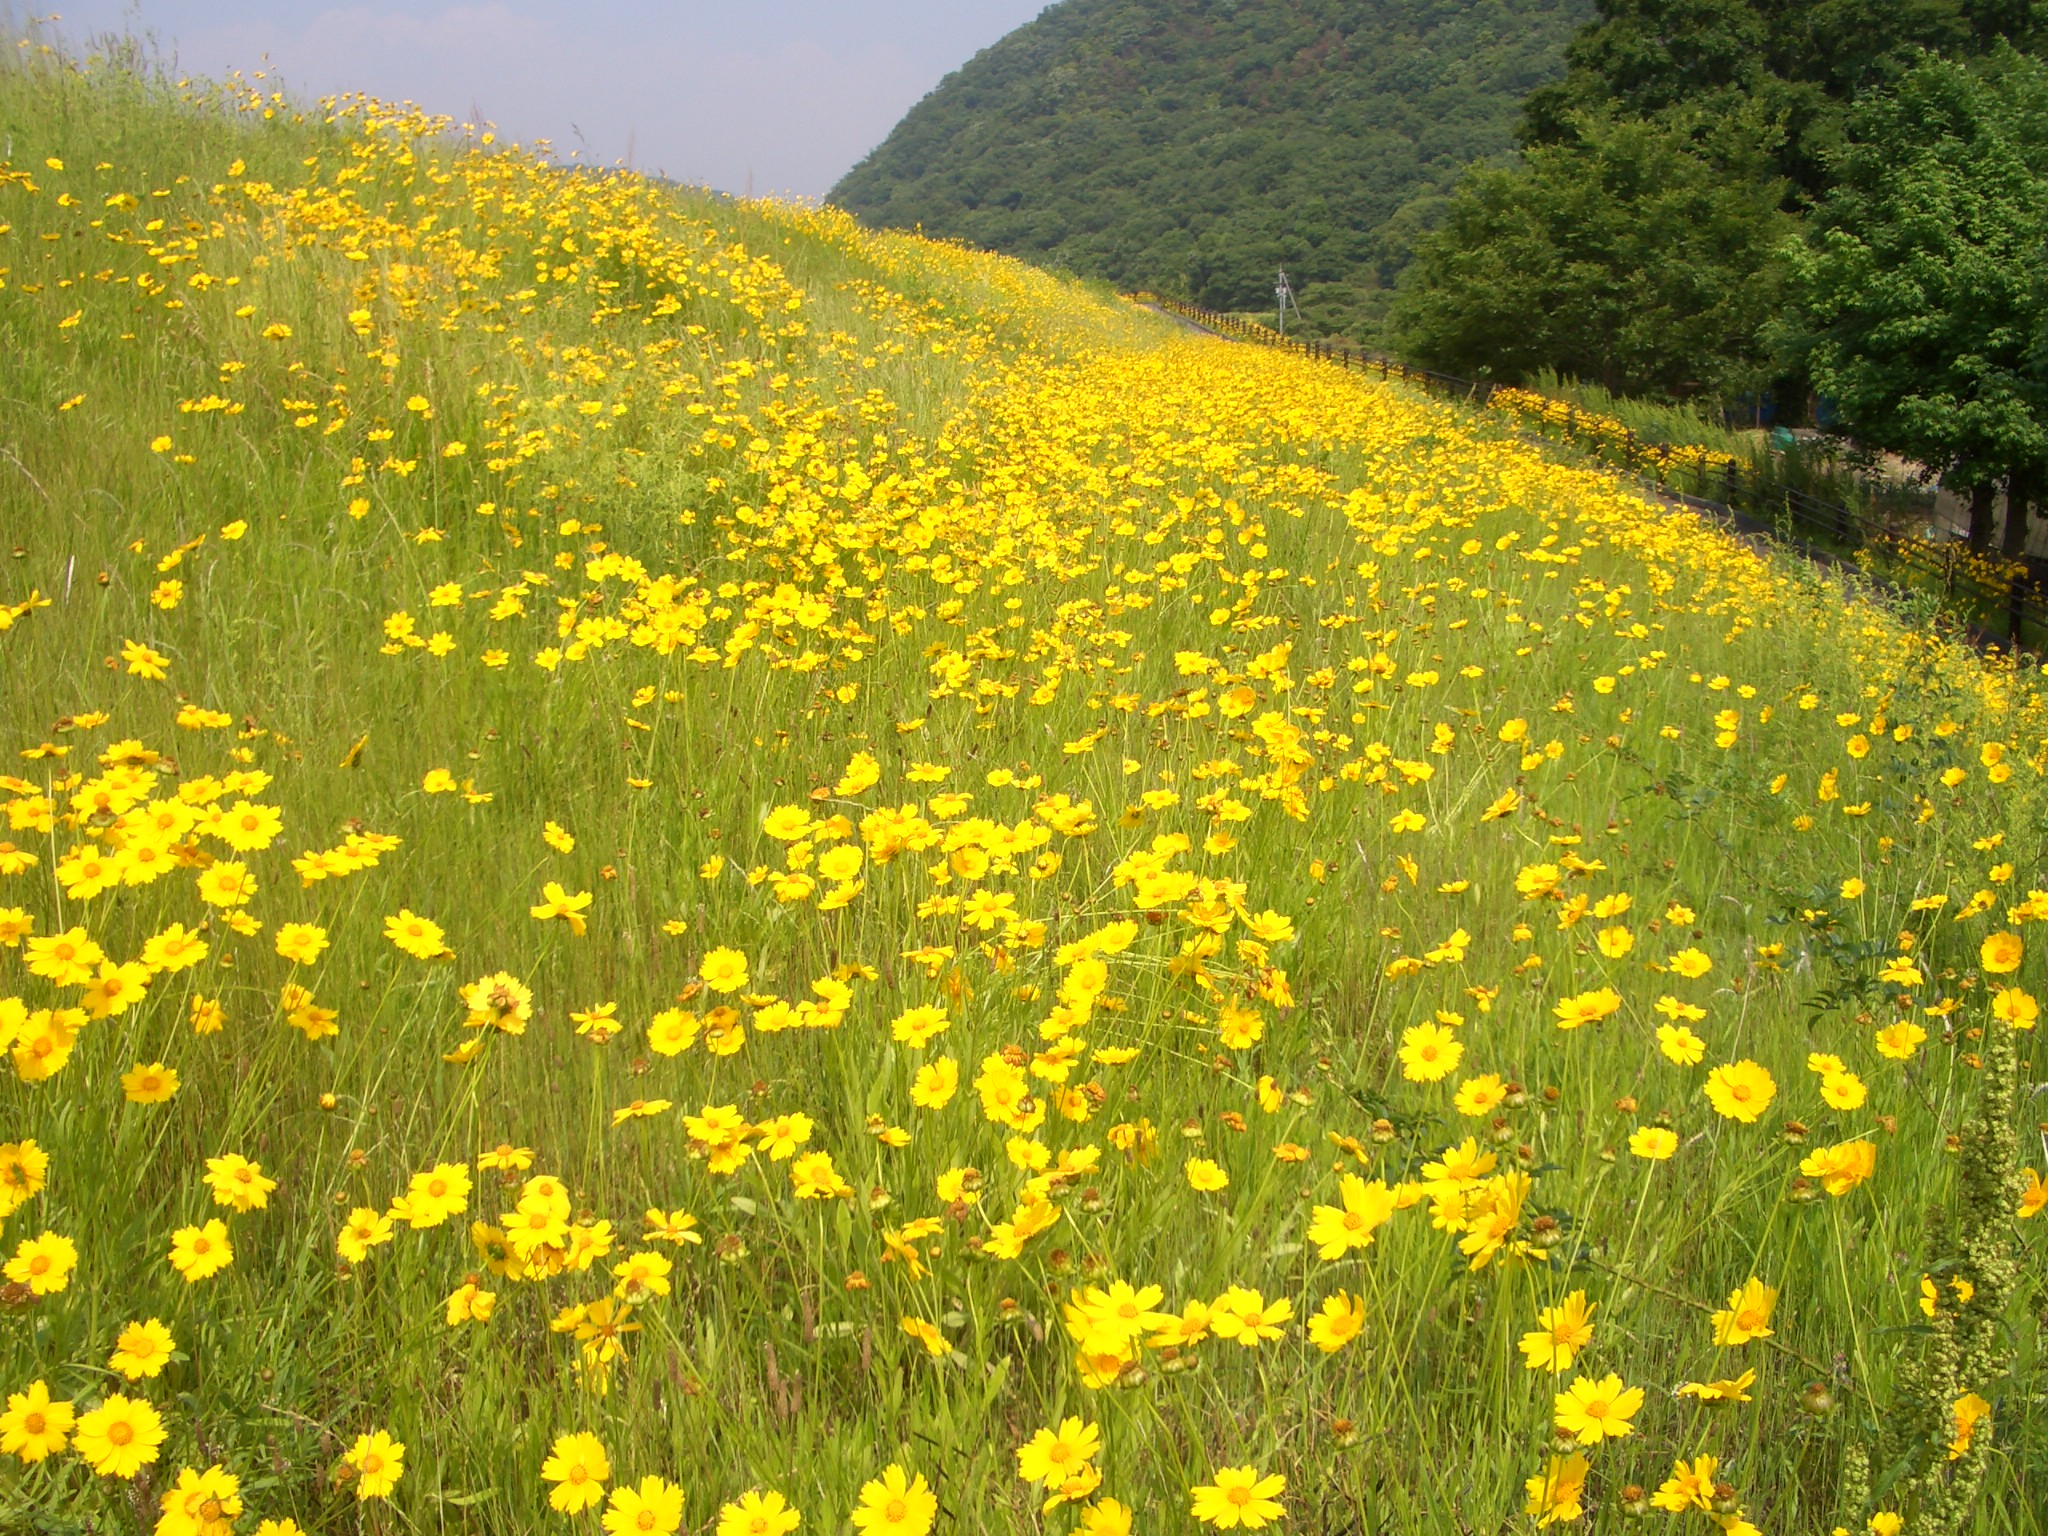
(1193, 146)
(1662, 176)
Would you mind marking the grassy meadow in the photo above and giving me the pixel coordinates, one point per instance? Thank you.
(671, 866)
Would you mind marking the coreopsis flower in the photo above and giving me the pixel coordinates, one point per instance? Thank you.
(1716, 1393)
(149, 1083)
(1690, 1486)
(2001, 953)
(1587, 1007)
(237, 1183)
(1970, 1411)
(1597, 1410)
(43, 1263)
(201, 1503)
(201, 1252)
(1053, 1456)
(378, 1462)
(1206, 1176)
(1240, 1497)
(1557, 1493)
(500, 1001)
(1561, 1333)
(1341, 1319)
(579, 1468)
(723, 970)
(1654, 1143)
(758, 1512)
(120, 1437)
(1243, 1314)
(653, 1508)
(34, 1427)
(1841, 1168)
(1747, 1315)
(1429, 1052)
(366, 1228)
(416, 935)
(557, 902)
(1741, 1091)
(896, 1504)
(1364, 1208)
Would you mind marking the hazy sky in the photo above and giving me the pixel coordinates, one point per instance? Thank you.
(782, 95)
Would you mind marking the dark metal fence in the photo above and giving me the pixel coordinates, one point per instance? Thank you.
(1999, 603)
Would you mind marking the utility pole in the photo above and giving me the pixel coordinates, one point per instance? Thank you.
(1283, 296)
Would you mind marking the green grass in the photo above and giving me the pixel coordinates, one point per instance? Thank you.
(1018, 503)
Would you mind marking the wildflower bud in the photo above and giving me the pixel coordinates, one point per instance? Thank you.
(1625, 1106)
(1132, 1376)
(1794, 1133)
(14, 1295)
(1343, 1432)
(1059, 1261)
(1634, 1502)
(1544, 1232)
(1502, 1131)
(1801, 1190)
(1092, 1202)
(730, 1248)
(879, 1199)
(1552, 1095)
(1563, 1442)
(328, 1101)
(1815, 1398)
(1383, 1131)
(1192, 1129)
(1726, 1500)
(1014, 1055)
(1526, 1155)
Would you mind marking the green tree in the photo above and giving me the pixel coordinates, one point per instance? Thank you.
(1803, 62)
(1639, 255)
(1924, 283)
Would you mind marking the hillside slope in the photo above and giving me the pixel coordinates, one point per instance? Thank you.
(666, 858)
(1193, 147)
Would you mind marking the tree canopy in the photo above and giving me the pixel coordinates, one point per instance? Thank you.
(1193, 146)
(1925, 282)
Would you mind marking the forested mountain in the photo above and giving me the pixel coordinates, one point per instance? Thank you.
(1192, 146)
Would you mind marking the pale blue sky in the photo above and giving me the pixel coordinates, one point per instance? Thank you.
(782, 95)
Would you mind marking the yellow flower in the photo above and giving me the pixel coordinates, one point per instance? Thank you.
(1587, 1007)
(1653, 1142)
(579, 1468)
(1429, 1053)
(1341, 1320)
(896, 1504)
(153, 1083)
(2001, 953)
(378, 1462)
(1748, 1314)
(1841, 1168)
(43, 1264)
(120, 1437)
(1741, 1091)
(1239, 1497)
(1597, 1410)
(34, 1427)
(1206, 1176)
(199, 1253)
(1557, 1493)
(1338, 1229)
(654, 1508)
(758, 1512)
(1561, 1333)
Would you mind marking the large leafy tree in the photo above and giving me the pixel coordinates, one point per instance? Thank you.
(1924, 284)
(1638, 255)
(1804, 62)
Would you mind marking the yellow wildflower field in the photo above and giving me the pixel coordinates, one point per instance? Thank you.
(671, 866)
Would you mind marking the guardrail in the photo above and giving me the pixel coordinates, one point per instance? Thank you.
(1999, 602)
